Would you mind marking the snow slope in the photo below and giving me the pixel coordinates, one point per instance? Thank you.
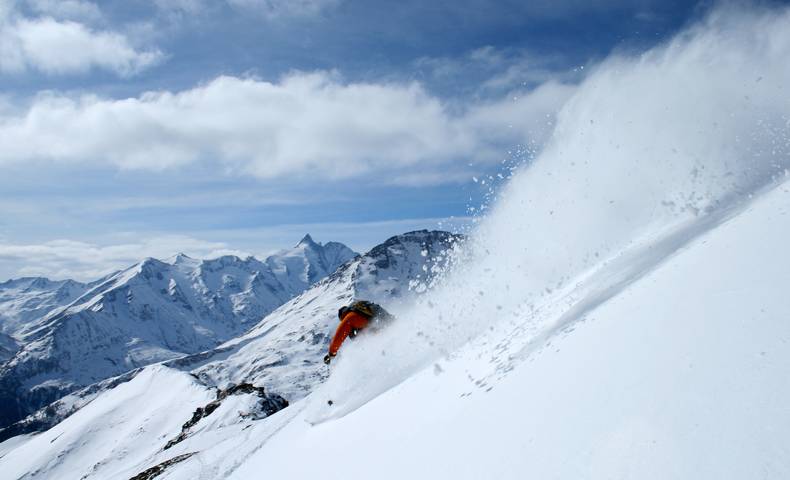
(134, 413)
(660, 382)
(150, 312)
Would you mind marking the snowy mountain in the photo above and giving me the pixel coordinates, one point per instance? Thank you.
(283, 352)
(25, 300)
(8, 347)
(150, 312)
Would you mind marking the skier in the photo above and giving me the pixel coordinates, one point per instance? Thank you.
(359, 315)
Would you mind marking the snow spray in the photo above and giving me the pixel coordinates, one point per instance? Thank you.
(649, 144)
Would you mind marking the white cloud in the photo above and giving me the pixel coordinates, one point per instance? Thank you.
(308, 124)
(87, 261)
(493, 70)
(285, 8)
(54, 45)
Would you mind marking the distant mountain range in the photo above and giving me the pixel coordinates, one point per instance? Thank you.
(60, 336)
(226, 320)
(26, 301)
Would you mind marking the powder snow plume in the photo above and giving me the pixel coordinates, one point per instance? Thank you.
(651, 151)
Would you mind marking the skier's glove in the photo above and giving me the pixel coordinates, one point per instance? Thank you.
(328, 358)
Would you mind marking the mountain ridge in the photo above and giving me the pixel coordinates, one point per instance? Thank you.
(400, 259)
(149, 312)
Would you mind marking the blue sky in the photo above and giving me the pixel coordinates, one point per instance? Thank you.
(135, 128)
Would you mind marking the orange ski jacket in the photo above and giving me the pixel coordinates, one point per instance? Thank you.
(350, 321)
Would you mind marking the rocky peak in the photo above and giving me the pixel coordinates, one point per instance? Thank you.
(307, 241)
(181, 259)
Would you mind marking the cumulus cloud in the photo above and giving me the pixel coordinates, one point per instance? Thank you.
(489, 70)
(304, 125)
(56, 44)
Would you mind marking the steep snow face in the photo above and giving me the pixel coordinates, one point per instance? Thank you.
(151, 312)
(24, 300)
(682, 374)
(651, 152)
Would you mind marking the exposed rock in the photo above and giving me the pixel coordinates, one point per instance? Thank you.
(157, 470)
(267, 405)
